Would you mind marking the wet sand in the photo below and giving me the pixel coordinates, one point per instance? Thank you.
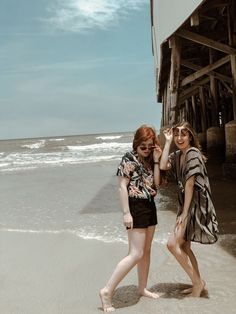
(61, 273)
(54, 273)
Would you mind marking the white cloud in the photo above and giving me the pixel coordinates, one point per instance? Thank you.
(82, 15)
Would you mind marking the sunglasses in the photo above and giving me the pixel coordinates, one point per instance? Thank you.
(180, 132)
(143, 147)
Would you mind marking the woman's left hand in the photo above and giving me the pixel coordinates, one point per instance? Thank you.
(181, 220)
(157, 152)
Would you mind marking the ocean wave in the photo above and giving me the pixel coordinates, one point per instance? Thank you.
(36, 145)
(74, 150)
(80, 234)
(111, 137)
(2, 164)
(56, 139)
(101, 146)
(118, 235)
(27, 162)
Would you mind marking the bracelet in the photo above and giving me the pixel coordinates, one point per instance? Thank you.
(156, 162)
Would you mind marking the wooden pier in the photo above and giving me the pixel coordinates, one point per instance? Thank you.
(196, 75)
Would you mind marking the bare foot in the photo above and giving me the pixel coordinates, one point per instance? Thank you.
(149, 294)
(106, 301)
(197, 289)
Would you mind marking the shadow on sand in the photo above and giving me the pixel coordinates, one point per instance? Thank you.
(106, 200)
(174, 290)
(126, 296)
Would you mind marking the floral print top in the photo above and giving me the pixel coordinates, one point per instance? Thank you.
(141, 179)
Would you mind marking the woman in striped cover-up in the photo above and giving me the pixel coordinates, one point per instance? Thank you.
(196, 218)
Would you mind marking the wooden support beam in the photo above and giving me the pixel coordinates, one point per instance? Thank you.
(203, 109)
(206, 17)
(187, 109)
(174, 72)
(194, 20)
(229, 89)
(214, 92)
(196, 67)
(213, 5)
(194, 122)
(195, 86)
(232, 41)
(205, 41)
(168, 102)
(233, 69)
(204, 70)
(182, 98)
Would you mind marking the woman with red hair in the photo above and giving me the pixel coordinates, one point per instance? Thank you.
(139, 177)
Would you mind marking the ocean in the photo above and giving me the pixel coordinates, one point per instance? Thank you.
(25, 154)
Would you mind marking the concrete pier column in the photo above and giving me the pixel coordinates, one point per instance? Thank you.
(229, 167)
(215, 140)
(230, 140)
(202, 139)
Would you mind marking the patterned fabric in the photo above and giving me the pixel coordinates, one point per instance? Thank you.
(141, 181)
(202, 224)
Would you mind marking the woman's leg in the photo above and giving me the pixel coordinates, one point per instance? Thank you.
(144, 264)
(175, 245)
(136, 238)
(187, 248)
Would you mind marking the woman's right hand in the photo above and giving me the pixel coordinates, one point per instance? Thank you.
(168, 134)
(128, 220)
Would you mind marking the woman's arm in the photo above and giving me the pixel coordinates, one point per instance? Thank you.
(188, 195)
(156, 173)
(124, 198)
(164, 163)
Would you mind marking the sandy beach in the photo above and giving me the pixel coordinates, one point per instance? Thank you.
(60, 270)
(61, 273)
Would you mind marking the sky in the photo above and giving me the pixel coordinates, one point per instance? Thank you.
(75, 67)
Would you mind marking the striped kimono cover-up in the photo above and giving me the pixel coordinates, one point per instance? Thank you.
(201, 223)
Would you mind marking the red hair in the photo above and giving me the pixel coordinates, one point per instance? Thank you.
(143, 134)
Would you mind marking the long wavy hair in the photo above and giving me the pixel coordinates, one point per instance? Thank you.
(193, 138)
(143, 134)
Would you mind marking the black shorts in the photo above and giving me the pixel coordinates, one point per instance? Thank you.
(143, 212)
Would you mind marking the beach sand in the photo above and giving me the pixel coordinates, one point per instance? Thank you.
(59, 272)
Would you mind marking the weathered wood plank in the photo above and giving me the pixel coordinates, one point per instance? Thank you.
(203, 109)
(205, 41)
(184, 97)
(196, 85)
(194, 19)
(196, 67)
(205, 70)
(175, 43)
(232, 41)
